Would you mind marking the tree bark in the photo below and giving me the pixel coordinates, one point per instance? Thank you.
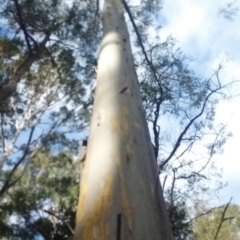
(120, 193)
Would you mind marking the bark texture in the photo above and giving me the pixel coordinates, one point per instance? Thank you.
(120, 193)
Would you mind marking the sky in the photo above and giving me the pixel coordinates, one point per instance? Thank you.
(211, 39)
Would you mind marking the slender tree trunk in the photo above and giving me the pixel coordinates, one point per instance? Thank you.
(121, 196)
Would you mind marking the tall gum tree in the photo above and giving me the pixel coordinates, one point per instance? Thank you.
(121, 196)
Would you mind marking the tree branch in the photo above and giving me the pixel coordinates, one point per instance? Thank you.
(180, 138)
(2, 130)
(223, 219)
(142, 46)
(7, 183)
(201, 215)
(6, 90)
(59, 218)
(156, 128)
(22, 25)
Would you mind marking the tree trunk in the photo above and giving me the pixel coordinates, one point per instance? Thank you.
(121, 196)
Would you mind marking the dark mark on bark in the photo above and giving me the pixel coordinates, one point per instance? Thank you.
(123, 90)
(119, 225)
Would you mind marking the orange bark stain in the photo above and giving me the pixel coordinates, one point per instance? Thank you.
(119, 122)
(99, 89)
(94, 222)
(125, 203)
(126, 207)
(82, 199)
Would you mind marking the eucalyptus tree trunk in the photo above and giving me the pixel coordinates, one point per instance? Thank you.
(120, 192)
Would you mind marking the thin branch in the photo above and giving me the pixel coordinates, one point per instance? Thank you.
(142, 46)
(97, 11)
(188, 148)
(156, 128)
(7, 183)
(211, 154)
(164, 183)
(59, 218)
(54, 63)
(198, 173)
(179, 140)
(172, 188)
(223, 219)
(22, 25)
(2, 130)
(201, 215)
(193, 174)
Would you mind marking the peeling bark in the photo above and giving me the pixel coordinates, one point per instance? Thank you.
(120, 193)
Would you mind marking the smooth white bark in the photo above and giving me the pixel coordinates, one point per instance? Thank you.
(120, 193)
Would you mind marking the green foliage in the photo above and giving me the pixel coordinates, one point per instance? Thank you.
(51, 99)
(178, 214)
(39, 183)
(206, 226)
(9, 47)
(43, 203)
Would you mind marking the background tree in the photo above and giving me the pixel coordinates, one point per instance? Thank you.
(51, 100)
(219, 223)
(43, 203)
